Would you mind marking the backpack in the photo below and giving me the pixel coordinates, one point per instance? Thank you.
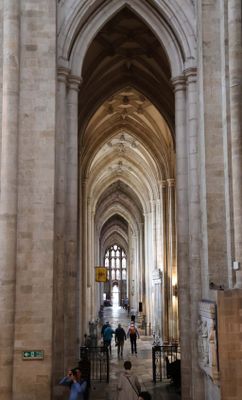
(132, 330)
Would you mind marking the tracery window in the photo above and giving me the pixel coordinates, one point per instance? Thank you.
(116, 263)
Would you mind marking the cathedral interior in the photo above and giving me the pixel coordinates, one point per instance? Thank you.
(120, 154)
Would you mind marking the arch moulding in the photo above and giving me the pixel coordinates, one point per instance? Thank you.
(176, 35)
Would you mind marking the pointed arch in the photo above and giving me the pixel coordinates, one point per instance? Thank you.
(176, 35)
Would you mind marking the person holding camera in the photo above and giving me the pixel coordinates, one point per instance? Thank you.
(77, 386)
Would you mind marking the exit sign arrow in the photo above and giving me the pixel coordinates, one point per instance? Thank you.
(33, 355)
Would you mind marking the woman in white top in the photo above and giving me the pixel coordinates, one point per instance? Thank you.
(128, 385)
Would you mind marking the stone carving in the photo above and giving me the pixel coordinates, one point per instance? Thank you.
(207, 340)
(203, 345)
(121, 148)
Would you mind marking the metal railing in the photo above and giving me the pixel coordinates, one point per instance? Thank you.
(96, 361)
(163, 358)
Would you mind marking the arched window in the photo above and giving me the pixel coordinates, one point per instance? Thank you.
(115, 260)
(115, 257)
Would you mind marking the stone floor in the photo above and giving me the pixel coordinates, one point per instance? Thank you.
(142, 364)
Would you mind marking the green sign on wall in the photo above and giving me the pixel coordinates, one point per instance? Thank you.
(33, 355)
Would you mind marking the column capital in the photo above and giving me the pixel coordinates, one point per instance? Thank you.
(191, 74)
(62, 74)
(171, 182)
(74, 82)
(163, 184)
(179, 83)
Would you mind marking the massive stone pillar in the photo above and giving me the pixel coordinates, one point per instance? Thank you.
(183, 233)
(65, 278)
(9, 192)
(235, 78)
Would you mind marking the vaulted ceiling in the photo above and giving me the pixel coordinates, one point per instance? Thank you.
(126, 120)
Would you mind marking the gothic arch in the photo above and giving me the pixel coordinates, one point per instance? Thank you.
(116, 238)
(176, 35)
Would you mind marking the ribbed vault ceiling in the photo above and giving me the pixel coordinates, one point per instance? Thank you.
(126, 118)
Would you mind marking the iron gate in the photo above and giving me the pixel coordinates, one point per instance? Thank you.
(164, 359)
(94, 362)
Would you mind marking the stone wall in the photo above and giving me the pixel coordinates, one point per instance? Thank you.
(34, 268)
(213, 150)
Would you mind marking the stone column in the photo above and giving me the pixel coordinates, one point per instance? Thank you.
(158, 306)
(9, 192)
(91, 267)
(194, 225)
(88, 265)
(147, 291)
(83, 301)
(141, 266)
(135, 274)
(183, 232)
(159, 236)
(172, 273)
(165, 272)
(235, 77)
(71, 215)
(59, 259)
(154, 233)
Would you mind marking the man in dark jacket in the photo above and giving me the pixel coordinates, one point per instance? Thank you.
(120, 337)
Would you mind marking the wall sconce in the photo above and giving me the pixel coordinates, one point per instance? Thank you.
(175, 290)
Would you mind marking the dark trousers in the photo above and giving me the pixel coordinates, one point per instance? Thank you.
(120, 344)
(133, 344)
(107, 343)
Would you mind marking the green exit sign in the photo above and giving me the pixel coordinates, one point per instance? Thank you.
(33, 355)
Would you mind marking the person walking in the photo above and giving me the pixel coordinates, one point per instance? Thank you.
(104, 327)
(120, 337)
(128, 387)
(107, 337)
(133, 334)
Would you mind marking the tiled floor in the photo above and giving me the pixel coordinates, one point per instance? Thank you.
(141, 364)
